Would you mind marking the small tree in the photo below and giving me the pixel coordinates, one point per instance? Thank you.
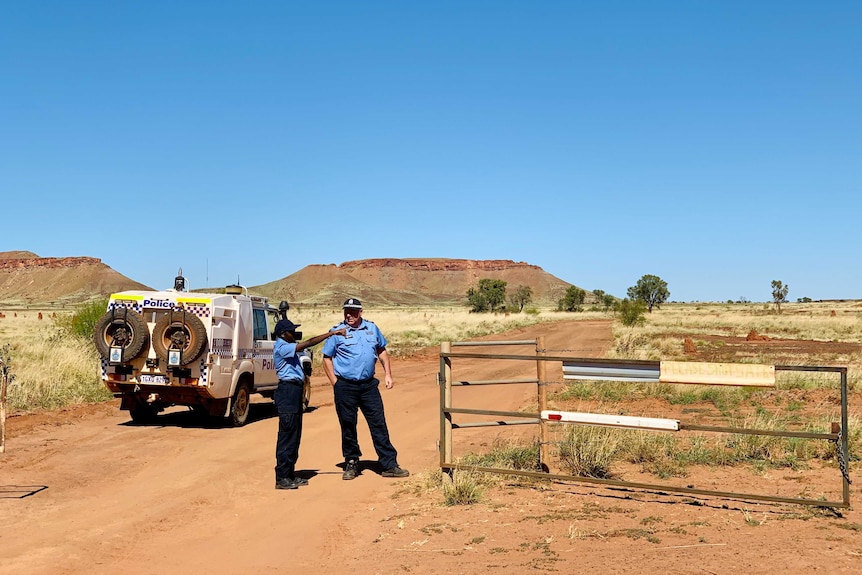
(650, 289)
(604, 299)
(572, 300)
(490, 295)
(779, 293)
(522, 296)
(631, 312)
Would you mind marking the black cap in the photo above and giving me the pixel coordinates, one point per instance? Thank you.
(285, 325)
(352, 303)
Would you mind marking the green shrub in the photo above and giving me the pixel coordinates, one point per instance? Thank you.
(657, 453)
(464, 488)
(588, 451)
(83, 320)
(506, 455)
(632, 312)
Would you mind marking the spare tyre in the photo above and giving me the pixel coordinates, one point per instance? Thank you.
(179, 330)
(121, 327)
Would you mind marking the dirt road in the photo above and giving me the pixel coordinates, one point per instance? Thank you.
(84, 491)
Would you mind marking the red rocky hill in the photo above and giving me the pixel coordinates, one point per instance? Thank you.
(26, 279)
(389, 281)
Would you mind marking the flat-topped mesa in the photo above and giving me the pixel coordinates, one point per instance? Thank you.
(410, 282)
(54, 263)
(437, 264)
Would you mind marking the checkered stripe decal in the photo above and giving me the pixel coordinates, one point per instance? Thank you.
(222, 347)
(133, 305)
(204, 371)
(254, 353)
(200, 310)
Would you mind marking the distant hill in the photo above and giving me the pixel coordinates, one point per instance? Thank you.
(410, 282)
(25, 278)
(17, 255)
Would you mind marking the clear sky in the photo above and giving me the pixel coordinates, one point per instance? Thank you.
(715, 144)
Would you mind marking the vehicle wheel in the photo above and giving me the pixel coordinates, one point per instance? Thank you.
(124, 327)
(143, 412)
(240, 405)
(306, 393)
(178, 330)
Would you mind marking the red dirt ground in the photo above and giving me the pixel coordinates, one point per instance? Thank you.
(84, 491)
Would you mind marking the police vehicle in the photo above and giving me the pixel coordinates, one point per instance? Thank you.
(207, 351)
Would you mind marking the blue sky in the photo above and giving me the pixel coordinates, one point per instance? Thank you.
(714, 144)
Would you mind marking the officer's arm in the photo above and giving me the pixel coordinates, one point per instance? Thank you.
(387, 367)
(318, 338)
(329, 369)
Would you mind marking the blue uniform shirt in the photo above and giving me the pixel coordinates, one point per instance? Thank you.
(354, 354)
(286, 361)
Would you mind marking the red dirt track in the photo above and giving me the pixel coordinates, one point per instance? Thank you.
(83, 491)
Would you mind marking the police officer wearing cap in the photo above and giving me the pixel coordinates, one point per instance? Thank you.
(288, 399)
(349, 361)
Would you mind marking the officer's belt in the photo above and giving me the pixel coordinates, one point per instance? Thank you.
(366, 380)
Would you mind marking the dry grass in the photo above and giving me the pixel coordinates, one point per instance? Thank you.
(660, 336)
(800, 401)
(49, 369)
(52, 368)
(810, 321)
(409, 330)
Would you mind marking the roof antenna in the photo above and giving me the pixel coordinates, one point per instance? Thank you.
(180, 281)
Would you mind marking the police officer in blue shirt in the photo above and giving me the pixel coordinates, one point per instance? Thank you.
(349, 361)
(288, 399)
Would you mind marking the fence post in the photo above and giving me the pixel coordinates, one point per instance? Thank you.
(4, 380)
(844, 446)
(541, 375)
(444, 380)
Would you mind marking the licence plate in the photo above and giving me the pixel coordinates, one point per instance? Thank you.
(145, 378)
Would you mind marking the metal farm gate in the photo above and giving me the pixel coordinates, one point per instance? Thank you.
(598, 370)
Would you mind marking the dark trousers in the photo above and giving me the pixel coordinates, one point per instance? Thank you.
(351, 396)
(288, 402)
